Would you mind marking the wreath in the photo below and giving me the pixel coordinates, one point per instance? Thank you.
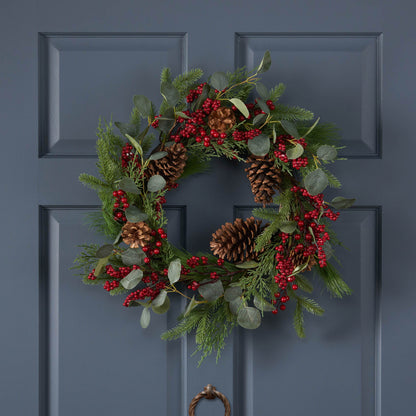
(258, 264)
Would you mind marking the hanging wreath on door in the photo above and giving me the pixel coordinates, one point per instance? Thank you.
(258, 264)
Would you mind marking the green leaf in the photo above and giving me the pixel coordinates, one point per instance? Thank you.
(145, 318)
(249, 317)
(249, 264)
(158, 155)
(241, 106)
(295, 152)
(135, 144)
(290, 128)
(263, 305)
(132, 279)
(316, 181)
(326, 152)
(211, 291)
(99, 268)
(264, 107)
(259, 119)
(204, 95)
(233, 292)
(265, 63)
(183, 115)
(174, 271)
(143, 105)
(160, 298)
(312, 127)
(219, 81)
(329, 251)
(132, 129)
(156, 183)
(169, 93)
(162, 308)
(340, 202)
(262, 91)
(133, 256)
(134, 214)
(118, 238)
(287, 227)
(235, 305)
(167, 121)
(260, 145)
(128, 185)
(191, 305)
(104, 251)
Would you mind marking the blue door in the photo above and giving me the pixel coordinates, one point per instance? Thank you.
(67, 349)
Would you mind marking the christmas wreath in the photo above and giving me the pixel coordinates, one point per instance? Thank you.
(255, 267)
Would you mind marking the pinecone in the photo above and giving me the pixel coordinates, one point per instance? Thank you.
(264, 178)
(298, 259)
(236, 241)
(136, 234)
(171, 166)
(221, 119)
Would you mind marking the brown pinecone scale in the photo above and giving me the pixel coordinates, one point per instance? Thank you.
(221, 119)
(298, 259)
(236, 241)
(171, 166)
(136, 234)
(265, 178)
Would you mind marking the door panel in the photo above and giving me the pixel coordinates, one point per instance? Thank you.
(69, 348)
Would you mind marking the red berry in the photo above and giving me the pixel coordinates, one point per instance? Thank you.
(163, 235)
(295, 287)
(274, 311)
(147, 260)
(158, 244)
(157, 251)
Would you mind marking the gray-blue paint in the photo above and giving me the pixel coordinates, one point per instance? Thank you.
(357, 360)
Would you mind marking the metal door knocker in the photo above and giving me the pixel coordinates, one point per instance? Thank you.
(210, 393)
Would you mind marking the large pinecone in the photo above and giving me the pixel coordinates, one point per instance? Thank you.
(171, 166)
(298, 259)
(221, 119)
(236, 241)
(265, 177)
(136, 234)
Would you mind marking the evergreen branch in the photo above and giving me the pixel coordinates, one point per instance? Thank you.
(304, 284)
(93, 182)
(334, 182)
(283, 112)
(166, 76)
(333, 281)
(298, 320)
(184, 82)
(277, 91)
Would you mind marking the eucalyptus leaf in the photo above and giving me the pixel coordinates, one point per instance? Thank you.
(204, 95)
(312, 127)
(295, 152)
(118, 238)
(191, 305)
(211, 290)
(219, 81)
(160, 298)
(104, 251)
(100, 267)
(143, 105)
(134, 214)
(235, 305)
(162, 308)
(340, 202)
(240, 106)
(288, 227)
(183, 115)
(260, 145)
(316, 181)
(132, 129)
(262, 91)
(232, 293)
(329, 251)
(326, 152)
(259, 119)
(128, 185)
(145, 318)
(265, 63)
(156, 183)
(263, 305)
(169, 93)
(135, 144)
(167, 120)
(264, 107)
(158, 155)
(290, 128)
(249, 264)
(132, 279)
(174, 271)
(249, 317)
(133, 256)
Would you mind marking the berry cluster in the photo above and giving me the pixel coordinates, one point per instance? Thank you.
(141, 294)
(280, 152)
(240, 136)
(194, 94)
(154, 248)
(127, 156)
(120, 205)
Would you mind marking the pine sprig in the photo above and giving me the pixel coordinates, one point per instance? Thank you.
(283, 112)
(333, 281)
(93, 182)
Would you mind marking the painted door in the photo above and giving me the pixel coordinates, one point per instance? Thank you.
(69, 349)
